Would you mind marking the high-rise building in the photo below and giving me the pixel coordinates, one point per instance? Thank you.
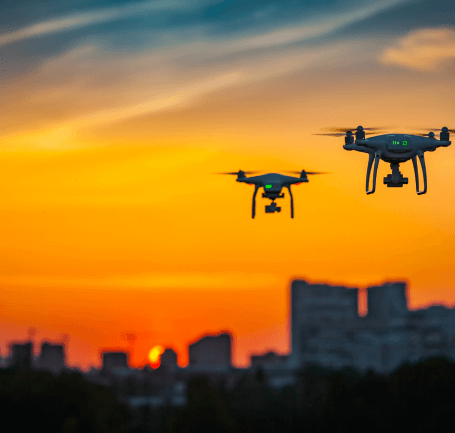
(388, 301)
(51, 358)
(327, 330)
(168, 359)
(317, 307)
(212, 350)
(114, 360)
(21, 355)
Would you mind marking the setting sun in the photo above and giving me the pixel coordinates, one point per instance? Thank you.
(154, 356)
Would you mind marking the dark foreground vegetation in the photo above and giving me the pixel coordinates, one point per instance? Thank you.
(418, 398)
(31, 400)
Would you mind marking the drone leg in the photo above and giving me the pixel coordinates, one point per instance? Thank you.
(292, 201)
(370, 163)
(377, 157)
(256, 187)
(416, 172)
(424, 172)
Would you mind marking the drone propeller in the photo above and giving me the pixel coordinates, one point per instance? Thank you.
(353, 129)
(240, 172)
(339, 132)
(306, 172)
(435, 129)
(334, 134)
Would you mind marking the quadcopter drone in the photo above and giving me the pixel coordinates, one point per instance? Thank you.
(395, 149)
(272, 184)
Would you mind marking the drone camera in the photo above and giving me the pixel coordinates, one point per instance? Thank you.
(272, 208)
(389, 182)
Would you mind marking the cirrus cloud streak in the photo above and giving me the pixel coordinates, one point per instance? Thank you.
(422, 50)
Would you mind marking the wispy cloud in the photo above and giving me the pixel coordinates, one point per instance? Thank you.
(305, 31)
(99, 16)
(83, 19)
(94, 87)
(422, 50)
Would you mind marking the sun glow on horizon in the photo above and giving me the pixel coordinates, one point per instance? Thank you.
(155, 356)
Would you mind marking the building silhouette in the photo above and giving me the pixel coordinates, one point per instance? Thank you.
(327, 330)
(114, 360)
(269, 359)
(387, 301)
(21, 355)
(51, 358)
(168, 359)
(211, 350)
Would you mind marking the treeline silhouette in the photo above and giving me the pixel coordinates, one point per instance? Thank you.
(31, 400)
(416, 397)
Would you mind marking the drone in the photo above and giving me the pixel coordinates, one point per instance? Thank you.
(272, 184)
(394, 149)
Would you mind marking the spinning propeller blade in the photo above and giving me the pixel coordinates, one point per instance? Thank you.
(339, 132)
(306, 172)
(335, 129)
(434, 129)
(316, 172)
(236, 173)
(334, 134)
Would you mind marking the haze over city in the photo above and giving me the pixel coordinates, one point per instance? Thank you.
(116, 115)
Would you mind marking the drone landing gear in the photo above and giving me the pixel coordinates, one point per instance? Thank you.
(424, 172)
(395, 179)
(272, 207)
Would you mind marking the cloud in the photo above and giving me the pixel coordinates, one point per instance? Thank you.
(83, 19)
(307, 31)
(422, 50)
(88, 86)
(99, 16)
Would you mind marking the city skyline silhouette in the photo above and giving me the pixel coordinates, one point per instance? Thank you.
(251, 352)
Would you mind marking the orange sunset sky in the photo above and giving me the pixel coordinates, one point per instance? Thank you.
(115, 117)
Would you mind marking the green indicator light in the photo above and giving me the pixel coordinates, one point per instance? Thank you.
(405, 142)
(268, 186)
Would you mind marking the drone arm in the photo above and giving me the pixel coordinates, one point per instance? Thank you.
(256, 187)
(420, 154)
(376, 158)
(292, 200)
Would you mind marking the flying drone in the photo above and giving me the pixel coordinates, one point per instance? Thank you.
(272, 184)
(395, 149)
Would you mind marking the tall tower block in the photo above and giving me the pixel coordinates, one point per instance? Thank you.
(320, 306)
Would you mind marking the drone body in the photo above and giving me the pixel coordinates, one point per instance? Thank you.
(394, 149)
(272, 183)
